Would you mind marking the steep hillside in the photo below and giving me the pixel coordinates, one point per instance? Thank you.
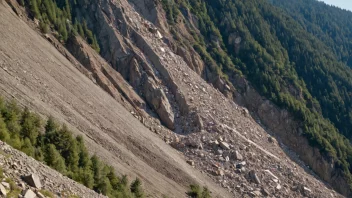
(35, 74)
(185, 66)
(279, 57)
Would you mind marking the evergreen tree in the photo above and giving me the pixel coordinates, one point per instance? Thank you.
(136, 188)
(27, 147)
(54, 159)
(4, 133)
(34, 8)
(51, 126)
(30, 126)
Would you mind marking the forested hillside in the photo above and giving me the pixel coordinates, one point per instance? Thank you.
(56, 146)
(297, 57)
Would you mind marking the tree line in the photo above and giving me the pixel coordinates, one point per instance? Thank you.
(55, 145)
(58, 16)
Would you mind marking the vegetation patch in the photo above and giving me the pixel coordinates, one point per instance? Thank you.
(54, 145)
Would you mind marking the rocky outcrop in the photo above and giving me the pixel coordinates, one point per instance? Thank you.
(156, 97)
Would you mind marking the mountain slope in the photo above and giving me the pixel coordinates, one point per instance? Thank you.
(286, 63)
(213, 133)
(36, 75)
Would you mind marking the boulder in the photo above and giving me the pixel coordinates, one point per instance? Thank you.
(306, 191)
(29, 194)
(237, 156)
(225, 145)
(33, 180)
(240, 165)
(254, 177)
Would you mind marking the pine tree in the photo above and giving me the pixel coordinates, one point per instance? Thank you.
(97, 170)
(30, 126)
(4, 133)
(86, 177)
(136, 188)
(80, 30)
(54, 159)
(27, 147)
(68, 10)
(51, 126)
(15, 141)
(34, 8)
(84, 159)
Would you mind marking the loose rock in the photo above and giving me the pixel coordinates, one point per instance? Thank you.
(254, 177)
(29, 194)
(225, 145)
(33, 180)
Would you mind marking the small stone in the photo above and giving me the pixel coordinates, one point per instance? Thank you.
(227, 158)
(190, 162)
(271, 139)
(29, 194)
(220, 172)
(237, 156)
(256, 193)
(219, 152)
(254, 177)
(306, 191)
(40, 195)
(33, 180)
(6, 185)
(225, 145)
(238, 188)
(240, 165)
(3, 191)
(278, 187)
(265, 192)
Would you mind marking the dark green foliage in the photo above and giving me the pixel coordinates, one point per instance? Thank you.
(278, 55)
(4, 133)
(136, 188)
(197, 192)
(54, 159)
(61, 151)
(33, 5)
(58, 16)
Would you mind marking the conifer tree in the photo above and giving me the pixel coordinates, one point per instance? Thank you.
(27, 147)
(34, 8)
(4, 133)
(30, 128)
(54, 159)
(136, 188)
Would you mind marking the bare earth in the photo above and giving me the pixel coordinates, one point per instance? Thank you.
(35, 74)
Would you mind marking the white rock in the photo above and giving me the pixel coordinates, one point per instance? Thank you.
(224, 145)
(3, 191)
(29, 194)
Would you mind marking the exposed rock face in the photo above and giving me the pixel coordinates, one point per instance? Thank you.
(156, 97)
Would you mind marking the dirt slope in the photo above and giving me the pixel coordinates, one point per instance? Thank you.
(35, 74)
